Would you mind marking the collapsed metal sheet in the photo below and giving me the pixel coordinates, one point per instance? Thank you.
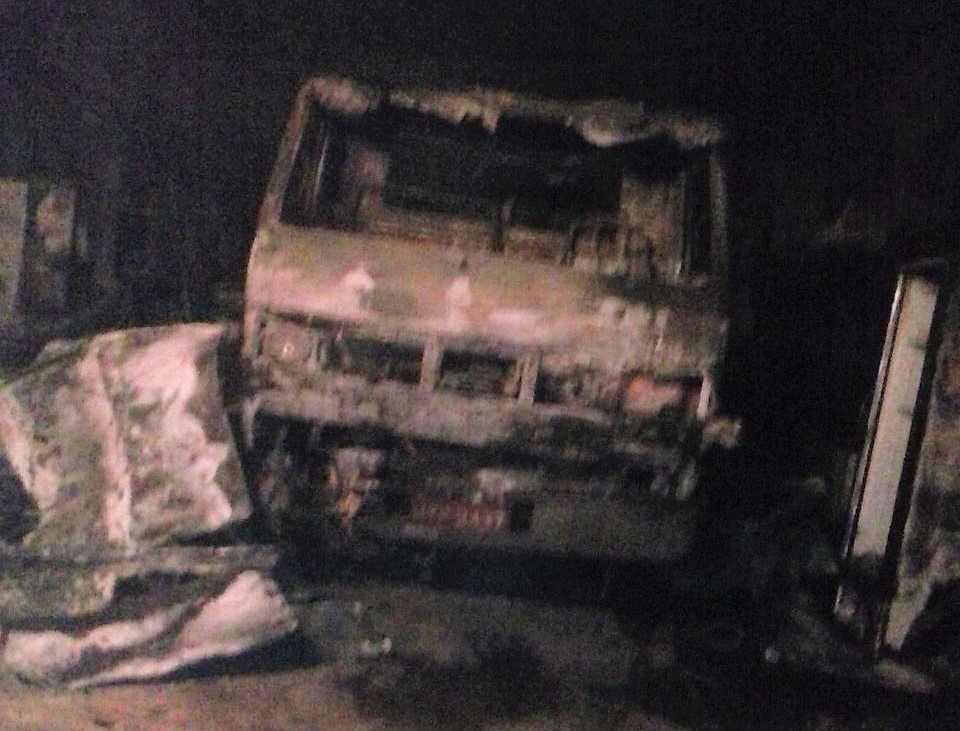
(171, 627)
(113, 451)
(122, 442)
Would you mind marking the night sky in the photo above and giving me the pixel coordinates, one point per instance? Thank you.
(862, 99)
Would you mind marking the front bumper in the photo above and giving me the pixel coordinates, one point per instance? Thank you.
(546, 430)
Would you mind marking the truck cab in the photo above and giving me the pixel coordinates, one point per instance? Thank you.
(497, 318)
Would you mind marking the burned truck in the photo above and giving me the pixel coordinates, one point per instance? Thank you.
(490, 317)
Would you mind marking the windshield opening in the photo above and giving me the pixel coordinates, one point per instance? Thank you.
(531, 189)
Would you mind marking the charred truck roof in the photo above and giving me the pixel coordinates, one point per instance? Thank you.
(498, 314)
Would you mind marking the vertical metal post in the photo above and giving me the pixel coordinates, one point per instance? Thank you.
(719, 254)
(430, 365)
(884, 484)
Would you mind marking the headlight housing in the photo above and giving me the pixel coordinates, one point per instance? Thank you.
(287, 343)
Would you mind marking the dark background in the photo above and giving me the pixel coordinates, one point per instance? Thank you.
(845, 140)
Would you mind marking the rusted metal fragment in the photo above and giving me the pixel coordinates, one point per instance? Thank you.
(122, 443)
(168, 625)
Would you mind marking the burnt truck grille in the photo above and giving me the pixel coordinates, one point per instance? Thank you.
(479, 374)
(374, 360)
(304, 352)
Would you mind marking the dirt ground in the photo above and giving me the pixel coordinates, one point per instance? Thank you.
(292, 700)
(405, 659)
